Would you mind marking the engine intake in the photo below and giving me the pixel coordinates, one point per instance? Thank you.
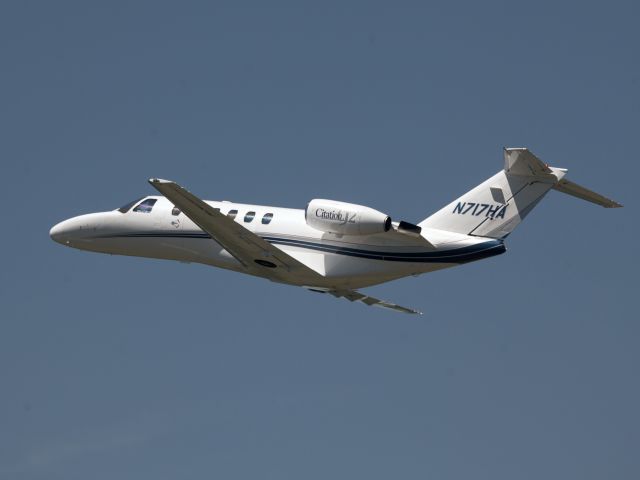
(345, 218)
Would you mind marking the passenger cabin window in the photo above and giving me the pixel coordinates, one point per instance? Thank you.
(146, 206)
(249, 216)
(175, 211)
(232, 214)
(266, 220)
(127, 207)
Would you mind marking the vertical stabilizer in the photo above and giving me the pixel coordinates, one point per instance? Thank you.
(498, 205)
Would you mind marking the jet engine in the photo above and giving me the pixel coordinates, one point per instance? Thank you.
(345, 218)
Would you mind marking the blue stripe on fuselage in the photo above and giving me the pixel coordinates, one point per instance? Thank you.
(458, 255)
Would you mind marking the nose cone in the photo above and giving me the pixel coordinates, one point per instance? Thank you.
(79, 231)
(61, 232)
(55, 233)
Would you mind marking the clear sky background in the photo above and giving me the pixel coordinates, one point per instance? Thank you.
(524, 366)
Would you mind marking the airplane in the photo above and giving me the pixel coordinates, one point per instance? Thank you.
(330, 247)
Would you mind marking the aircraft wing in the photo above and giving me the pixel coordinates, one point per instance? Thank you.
(354, 296)
(256, 255)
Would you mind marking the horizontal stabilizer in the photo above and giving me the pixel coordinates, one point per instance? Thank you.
(575, 190)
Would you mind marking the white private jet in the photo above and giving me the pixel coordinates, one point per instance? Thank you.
(330, 247)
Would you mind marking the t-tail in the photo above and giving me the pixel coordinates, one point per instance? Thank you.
(496, 207)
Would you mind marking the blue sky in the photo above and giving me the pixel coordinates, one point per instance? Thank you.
(523, 366)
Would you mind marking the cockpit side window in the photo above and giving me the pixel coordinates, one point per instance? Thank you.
(146, 206)
(127, 207)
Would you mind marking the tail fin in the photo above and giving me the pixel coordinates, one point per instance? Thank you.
(497, 206)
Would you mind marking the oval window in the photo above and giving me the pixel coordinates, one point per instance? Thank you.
(249, 216)
(266, 220)
(232, 213)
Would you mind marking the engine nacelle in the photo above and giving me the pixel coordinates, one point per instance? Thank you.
(345, 218)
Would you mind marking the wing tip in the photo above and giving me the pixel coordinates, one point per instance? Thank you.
(156, 181)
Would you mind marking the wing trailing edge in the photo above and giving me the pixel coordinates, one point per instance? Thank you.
(355, 296)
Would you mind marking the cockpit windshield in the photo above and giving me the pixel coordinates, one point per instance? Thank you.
(146, 205)
(125, 208)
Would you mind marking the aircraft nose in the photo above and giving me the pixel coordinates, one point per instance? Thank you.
(60, 232)
(78, 231)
